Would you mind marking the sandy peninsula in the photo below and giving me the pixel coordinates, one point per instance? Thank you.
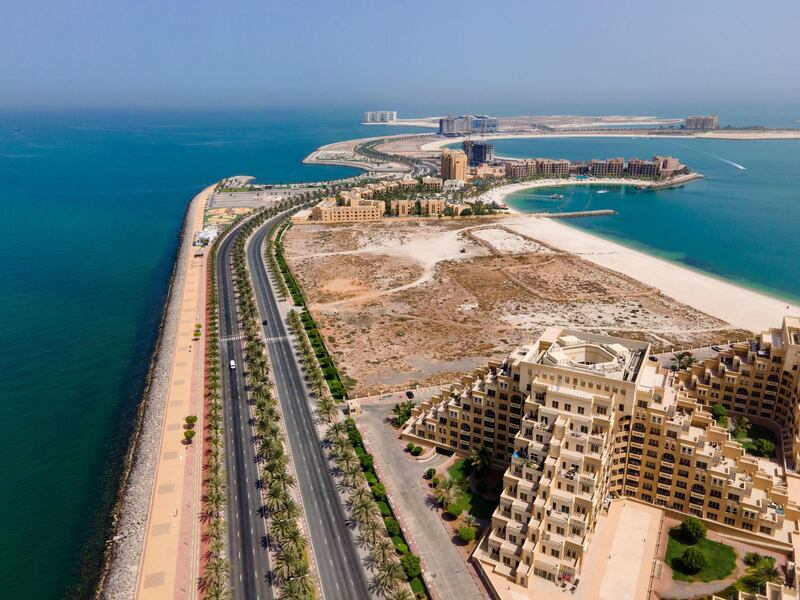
(739, 306)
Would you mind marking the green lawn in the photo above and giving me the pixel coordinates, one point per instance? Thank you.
(467, 499)
(747, 440)
(721, 560)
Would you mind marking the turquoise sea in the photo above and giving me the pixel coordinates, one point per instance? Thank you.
(741, 224)
(91, 209)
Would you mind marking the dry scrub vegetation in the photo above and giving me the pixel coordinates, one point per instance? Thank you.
(423, 301)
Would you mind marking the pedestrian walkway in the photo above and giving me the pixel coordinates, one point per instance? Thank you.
(444, 569)
(170, 557)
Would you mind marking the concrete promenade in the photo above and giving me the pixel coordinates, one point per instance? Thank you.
(170, 557)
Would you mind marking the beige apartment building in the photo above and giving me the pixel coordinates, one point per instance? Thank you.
(758, 379)
(433, 183)
(454, 165)
(613, 167)
(349, 208)
(407, 208)
(576, 419)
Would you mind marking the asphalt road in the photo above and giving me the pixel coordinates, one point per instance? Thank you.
(246, 529)
(341, 574)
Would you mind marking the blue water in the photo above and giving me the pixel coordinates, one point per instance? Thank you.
(738, 224)
(91, 208)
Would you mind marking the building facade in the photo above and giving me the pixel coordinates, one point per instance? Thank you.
(758, 380)
(380, 116)
(347, 209)
(478, 153)
(577, 418)
(452, 126)
(702, 122)
(453, 165)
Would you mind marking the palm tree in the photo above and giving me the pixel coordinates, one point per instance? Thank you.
(363, 510)
(372, 531)
(326, 409)
(382, 551)
(401, 593)
(300, 583)
(286, 561)
(682, 360)
(480, 458)
(336, 431)
(445, 492)
(388, 577)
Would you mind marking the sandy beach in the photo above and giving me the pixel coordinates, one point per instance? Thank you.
(739, 306)
(499, 193)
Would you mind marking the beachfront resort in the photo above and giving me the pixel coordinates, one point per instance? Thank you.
(580, 422)
(468, 177)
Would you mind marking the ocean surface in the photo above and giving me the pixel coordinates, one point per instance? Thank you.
(91, 209)
(740, 223)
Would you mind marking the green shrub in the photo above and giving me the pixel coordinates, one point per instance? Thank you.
(455, 510)
(417, 586)
(764, 447)
(751, 559)
(399, 545)
(466, 534)
(386, 511)
(692, 530)
(379, 491)
(693, 560)
(435, 482)
(371, 479)
(410, 447)
(411, 565)
(392, 526)
(718, 411)
(429, 474)
(416, 451)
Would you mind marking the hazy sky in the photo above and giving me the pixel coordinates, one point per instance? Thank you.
(411, 54)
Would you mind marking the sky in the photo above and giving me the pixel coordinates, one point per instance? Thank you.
(415, 56)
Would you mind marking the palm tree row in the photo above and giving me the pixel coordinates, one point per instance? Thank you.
(215, 578)
(291, 568)
(313, 373)
(269, 254)
(389, 577)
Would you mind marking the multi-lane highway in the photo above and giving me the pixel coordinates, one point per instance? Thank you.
(246, 529)
(341, 575)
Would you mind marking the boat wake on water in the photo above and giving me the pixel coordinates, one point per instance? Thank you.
(730, 162)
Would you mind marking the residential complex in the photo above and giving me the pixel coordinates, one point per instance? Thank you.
(661, 167)
(453, 126)
(757, 379)
(702, 122)
(577, 419)
(380, 116)
(454, 165)
(358, 204)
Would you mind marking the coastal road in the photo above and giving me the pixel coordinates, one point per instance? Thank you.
(341, 575)
(246, 529)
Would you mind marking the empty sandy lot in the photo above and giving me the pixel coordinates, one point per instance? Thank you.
(422, 301)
